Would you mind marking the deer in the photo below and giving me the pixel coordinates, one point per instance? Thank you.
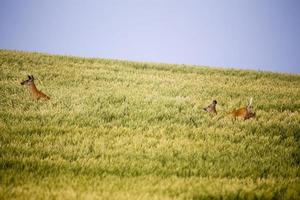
(37, 94)
(244, 112)
(211, 108)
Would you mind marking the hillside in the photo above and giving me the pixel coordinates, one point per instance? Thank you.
(128, 130)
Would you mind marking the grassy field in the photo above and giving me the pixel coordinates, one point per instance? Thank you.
(128, 130)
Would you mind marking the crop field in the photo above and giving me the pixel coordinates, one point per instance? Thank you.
(130, 130)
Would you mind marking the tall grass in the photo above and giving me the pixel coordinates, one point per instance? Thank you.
(127, 130)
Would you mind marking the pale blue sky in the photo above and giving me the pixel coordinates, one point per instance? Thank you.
(252, 34)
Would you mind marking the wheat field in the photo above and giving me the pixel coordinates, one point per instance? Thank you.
(131, 130)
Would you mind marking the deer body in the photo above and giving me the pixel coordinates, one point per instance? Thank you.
(34, 91)
(245, 112)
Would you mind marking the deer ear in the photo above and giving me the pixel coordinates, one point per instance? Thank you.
(29, 77)
(250, 102)
(32, 77)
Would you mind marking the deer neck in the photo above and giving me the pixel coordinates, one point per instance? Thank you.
(33, 89)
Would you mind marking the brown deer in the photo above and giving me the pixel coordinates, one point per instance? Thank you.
(32, 88)
(245, 112)
(211, 108)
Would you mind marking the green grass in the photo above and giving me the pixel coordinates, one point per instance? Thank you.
(127, 130)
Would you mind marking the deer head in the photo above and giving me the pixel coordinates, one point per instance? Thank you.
(29, 81)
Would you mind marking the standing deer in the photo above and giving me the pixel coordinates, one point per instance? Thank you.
(245, 112)
(37, 94)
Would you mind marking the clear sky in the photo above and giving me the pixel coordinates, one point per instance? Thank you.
(252, 34)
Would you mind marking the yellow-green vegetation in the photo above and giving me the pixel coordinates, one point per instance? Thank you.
(127, 130)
